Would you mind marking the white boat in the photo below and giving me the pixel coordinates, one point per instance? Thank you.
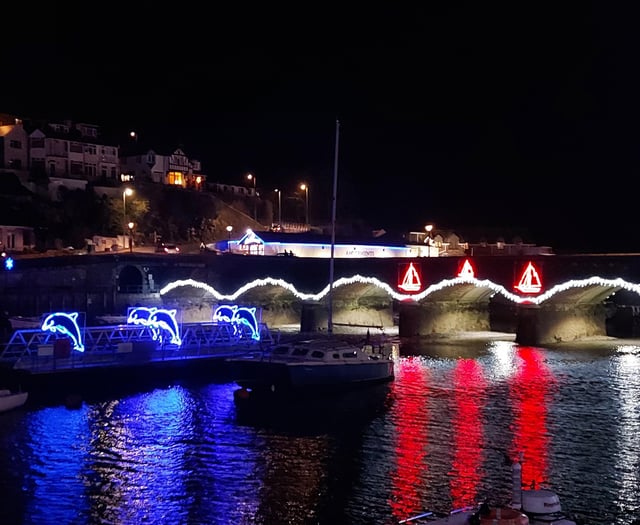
(312, 365)
(10, 400)
(529, 506)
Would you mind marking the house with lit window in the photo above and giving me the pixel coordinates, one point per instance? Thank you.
(171, 166)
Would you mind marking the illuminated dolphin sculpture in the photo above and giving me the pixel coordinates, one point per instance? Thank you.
(66, 325)
(224, 313)
(246, 317)
(157, 320)
(166, 320)
(141, 315)
(240, 318)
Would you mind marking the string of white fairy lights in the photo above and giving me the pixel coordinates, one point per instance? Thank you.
(615, 284)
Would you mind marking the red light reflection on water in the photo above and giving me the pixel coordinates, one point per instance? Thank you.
(469, 383)
(529, 389)
(411, 394)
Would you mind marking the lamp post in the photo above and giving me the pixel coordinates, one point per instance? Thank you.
(279, 207)
(428, 241)
(305, 187)
(131, 225)
(126, 193)
(251, 176)
(229, 230)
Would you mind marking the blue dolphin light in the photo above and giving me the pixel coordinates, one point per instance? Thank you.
(247, 317)
(224, 313)
(156, 319)
(166, 320)
(240, 317)
(66, 325)
(141, 315)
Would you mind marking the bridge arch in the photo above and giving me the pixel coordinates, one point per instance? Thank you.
(130, 278)
(569, 311)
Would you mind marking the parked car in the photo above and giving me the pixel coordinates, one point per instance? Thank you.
(167, 248)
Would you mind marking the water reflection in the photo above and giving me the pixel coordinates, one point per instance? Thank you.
(411, 436)
(308, 449)
(434, 438)
(530, 388)
(626, 375)
(468, 436)
(57, 454)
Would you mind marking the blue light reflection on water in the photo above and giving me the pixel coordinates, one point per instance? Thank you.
(436, 437)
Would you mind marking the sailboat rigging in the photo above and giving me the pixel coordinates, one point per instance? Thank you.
(334, 198)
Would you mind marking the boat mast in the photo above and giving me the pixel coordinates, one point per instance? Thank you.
(334, 198)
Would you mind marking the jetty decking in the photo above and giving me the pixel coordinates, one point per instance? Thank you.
(39, 352)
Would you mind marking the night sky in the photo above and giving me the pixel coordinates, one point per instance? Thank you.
(479, 115)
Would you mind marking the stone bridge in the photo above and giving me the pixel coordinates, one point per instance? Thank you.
(574, 300)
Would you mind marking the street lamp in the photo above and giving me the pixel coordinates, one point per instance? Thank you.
(305, 187)
(229, 230)
(126, 193)
(279, 207)
(251, 176)
(428, 240)
(131, 225)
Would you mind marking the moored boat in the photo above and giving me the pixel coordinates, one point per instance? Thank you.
(10, 400)
(311, 365)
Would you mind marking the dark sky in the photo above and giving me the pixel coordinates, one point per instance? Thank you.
(491, 115)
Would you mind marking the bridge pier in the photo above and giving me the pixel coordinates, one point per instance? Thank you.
(314, 316)
(527, 330)
(557, 323)
(430, 318)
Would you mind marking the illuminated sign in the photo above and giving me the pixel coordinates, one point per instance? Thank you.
(530, 280)
(467, 270)
(66, 325)
(241, 318)
(8, 263)
(159, 320)
(410, 279)
(250, 238)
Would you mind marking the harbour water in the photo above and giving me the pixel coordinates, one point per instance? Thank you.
(438, 437)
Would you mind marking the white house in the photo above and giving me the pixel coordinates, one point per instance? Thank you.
(74, 151)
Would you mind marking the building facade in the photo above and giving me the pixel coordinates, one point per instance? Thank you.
(74, 151)
(14, 144)
(172, 167)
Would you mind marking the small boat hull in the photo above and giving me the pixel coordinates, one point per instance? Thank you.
(310, 366)
(257, 375)
(10, 400)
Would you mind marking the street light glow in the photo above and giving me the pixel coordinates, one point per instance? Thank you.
(305, 187)
(279, 206)
(126, 193)
(251, 176)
